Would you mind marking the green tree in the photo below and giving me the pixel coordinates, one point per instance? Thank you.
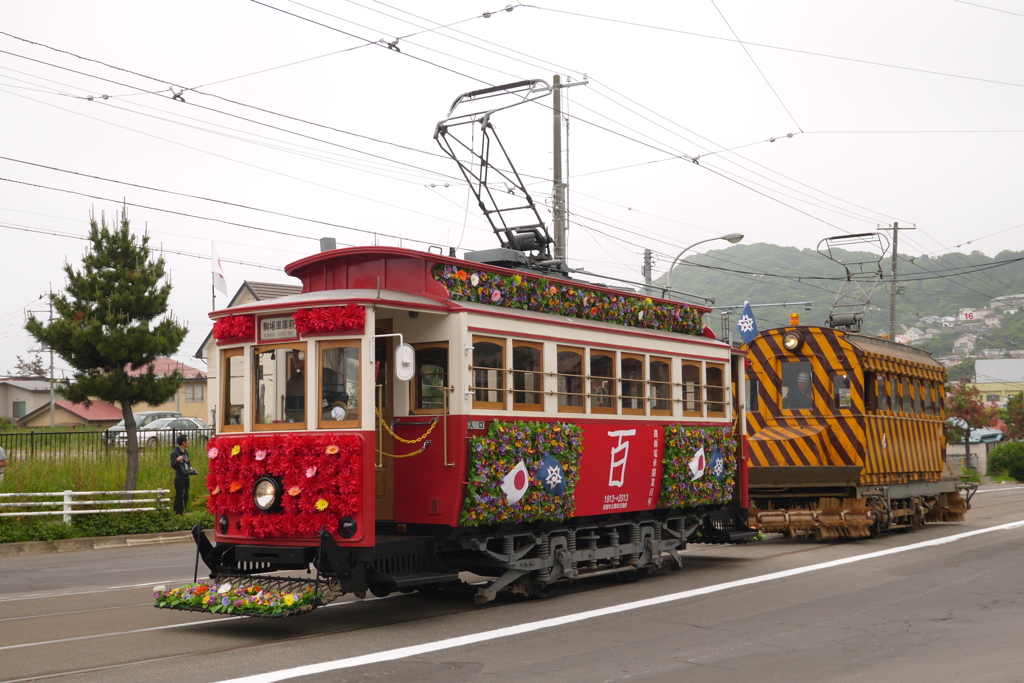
(965, 402)
(1013, 416)
(106, 325)
(964, 370)
(30, 367)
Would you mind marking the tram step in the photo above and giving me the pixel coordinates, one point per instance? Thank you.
(426, 578)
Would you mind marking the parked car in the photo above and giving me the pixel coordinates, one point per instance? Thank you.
(165, 430)
(141, 420)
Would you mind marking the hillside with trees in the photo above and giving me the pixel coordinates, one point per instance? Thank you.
(929, 286)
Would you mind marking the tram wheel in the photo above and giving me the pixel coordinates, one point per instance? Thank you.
(542, 590)
(380, 592)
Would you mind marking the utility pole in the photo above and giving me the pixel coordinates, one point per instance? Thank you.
(558, 192)
(647, 270)
(53, 409)
(893, 286)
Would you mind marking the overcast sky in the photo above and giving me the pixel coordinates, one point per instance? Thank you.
(296, 121)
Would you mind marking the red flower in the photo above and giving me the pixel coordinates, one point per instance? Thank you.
(234, 327)
(329, 319)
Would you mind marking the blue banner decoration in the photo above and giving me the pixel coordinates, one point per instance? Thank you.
(746, 325)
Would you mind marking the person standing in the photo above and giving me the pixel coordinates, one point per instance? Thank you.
(182, 471)
(3, 464)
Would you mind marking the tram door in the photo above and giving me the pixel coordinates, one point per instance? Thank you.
(385, 401)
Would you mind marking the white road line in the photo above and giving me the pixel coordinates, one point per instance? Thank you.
(449, 643)
(1007, 488)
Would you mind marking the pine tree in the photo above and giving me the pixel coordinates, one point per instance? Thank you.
(106, 326)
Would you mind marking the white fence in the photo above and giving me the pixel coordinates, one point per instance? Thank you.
(69, 503)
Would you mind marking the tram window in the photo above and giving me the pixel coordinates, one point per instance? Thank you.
(940, 399)
(714, 374)
(692, 389)
(602, 381)
(570, 379)
(883, 392)
(527, 376)
(488, 373)
(797, 385)
(753, 399)
(280, 386)
(632, 383)
(841, 397)
(232, 369)
(927, 405)
(339, 384)
(660, 385)
(895, 395)
(431, 379)
(918, 397)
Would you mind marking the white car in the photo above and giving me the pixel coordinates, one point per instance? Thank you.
(166, 430)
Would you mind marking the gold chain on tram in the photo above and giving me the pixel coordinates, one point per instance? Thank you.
(380, 418)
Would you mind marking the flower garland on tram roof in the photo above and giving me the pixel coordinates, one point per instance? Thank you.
(686, 482)
(329, 319)
(493, 457)
(319, 474)
(233, 327)
(578, 301)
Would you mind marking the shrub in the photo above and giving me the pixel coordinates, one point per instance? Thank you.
(1007, 459)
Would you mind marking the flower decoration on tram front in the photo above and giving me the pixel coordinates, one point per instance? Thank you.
(308, 470)
(699, 466)
(542, 295)
(233, 328)
(541, 447)
(328, 319)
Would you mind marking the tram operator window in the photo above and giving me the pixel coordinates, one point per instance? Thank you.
(339, 383)
(280, 386)
(797, 386)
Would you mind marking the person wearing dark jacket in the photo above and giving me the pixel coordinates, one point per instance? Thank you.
(182, 471)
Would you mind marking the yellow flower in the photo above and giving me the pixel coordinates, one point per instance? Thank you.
(332, 450)
(289, 599)
(236, 449)
(321, 505)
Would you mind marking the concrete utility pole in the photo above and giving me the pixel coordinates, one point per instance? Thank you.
(647, 271)
(558, 192)
(893, 286)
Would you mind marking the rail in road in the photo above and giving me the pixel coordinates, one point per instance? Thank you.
(88, 615)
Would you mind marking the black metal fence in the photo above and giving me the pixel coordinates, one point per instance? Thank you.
(80, 444)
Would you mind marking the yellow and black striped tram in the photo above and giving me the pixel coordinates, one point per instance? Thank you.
(845, 435)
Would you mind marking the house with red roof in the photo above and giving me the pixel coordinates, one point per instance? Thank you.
(98, 414)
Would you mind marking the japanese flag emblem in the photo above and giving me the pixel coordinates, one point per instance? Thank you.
(697, 464)
(515, 483)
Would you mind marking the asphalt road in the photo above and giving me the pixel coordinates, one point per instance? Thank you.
(943, 602)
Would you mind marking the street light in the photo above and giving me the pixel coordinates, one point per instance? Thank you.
(732, 238)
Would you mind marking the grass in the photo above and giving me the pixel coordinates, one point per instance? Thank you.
(101, 470)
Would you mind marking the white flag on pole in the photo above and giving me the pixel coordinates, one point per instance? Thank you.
(218, 273)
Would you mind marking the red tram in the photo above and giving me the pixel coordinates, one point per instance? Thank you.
(410, 416)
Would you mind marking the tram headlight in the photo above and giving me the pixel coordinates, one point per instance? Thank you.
(347, 527)
(267, 494)
(791, 341)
